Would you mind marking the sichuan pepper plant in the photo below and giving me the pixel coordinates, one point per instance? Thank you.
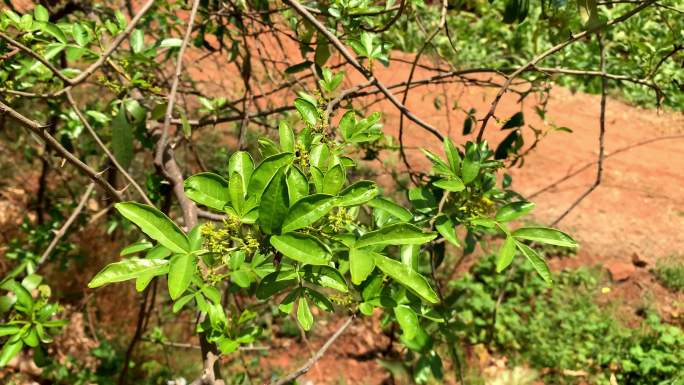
(296, 231)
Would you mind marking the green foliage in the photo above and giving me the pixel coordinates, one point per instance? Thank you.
(300, 230)
(293, 231)
(670, 273)
(562, 328)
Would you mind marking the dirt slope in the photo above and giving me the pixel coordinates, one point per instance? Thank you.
(637, 208)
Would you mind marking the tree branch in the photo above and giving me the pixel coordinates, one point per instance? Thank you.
(365, 72)
(39, 130)
(59, 234)
(316, 357)
(158, 158)
(602, 135)
(104, 148)
(551, 51)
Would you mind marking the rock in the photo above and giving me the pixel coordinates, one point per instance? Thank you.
(620, 270)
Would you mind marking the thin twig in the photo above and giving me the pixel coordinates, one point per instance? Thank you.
(602, 135)
(363, 70)
(551, 51)
(316, 357)
(440, 25)
(589, 164)
(40, 131)
(104, 148)
(59, 234)
(36, 56)
(158, 159)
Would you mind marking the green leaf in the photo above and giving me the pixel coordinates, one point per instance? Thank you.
(358, 193)
(326, 276)
(307, 111)
(452, 155)
(276, 282)
(128, 269)
(157, 252)
(293, 69)
(54, 31)
(172, 42)
(408, 321)
(511, 144)
(513, 211)
(319, 156)
(445, 226)
(470, 169)
(263, 174)
(122, 138)
(361, 264)
(8, 330)
(392, 208)
(506, 254)
(156, 225)
(317, 178)
(307, 211)
(395, 234)
(181, 302)
(208, 189)
(517, 120)
(274, 204)
(422, 199)
(319, 300)
(80, 35)
(241, 163)
(453, 184)
(302, 248)
(334, 180)
(195, 238)
(287, 304)
(9, 350)
(439, 166)
(137, 41)
(322, 50)
(536, 260)
(545, 235)
(26, 22)
(41, 13)
(181, 269)
(287, 138)
(31, 281)
(297, 185)
(237, 193)
(347, 124)
(142, 281)
(304, 315)
(23, 296)
(406, 276)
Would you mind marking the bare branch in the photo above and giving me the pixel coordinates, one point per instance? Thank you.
(316, 357)
(39, 130)
(158, 159)
(551, 51)
(440, 25)
(59, 234)
(104, 148)
(208, 377)
(602, 135)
